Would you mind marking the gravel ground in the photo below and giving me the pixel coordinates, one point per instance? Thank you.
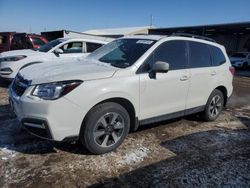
(184, 152)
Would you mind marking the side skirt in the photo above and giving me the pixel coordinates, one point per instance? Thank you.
(172, 115)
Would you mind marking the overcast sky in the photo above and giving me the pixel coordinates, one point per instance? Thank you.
(40, 15)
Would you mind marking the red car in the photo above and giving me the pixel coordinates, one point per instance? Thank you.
(16, 41)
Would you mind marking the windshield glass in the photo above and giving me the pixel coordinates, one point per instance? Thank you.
(50, 45)
(122, 53)
(241, 55)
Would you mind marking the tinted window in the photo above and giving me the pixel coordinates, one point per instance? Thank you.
(172, 52)
(240, 55)
(72, 47)
(38, 41)
(92, 46)
(199, 55)
(217, 56)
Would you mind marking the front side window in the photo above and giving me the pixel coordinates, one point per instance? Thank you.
(199, 55)
(92, 46)
(121, 53)
(217, 56)
(172, 52)
(72, 47)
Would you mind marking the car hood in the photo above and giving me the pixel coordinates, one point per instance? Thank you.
(27, 52)
(58, 71)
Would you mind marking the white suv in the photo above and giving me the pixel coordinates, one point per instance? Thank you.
(129, 82)
(57, 50)
(240, 60)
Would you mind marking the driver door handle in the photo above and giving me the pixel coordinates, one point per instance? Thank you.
(213, 73)
(183, 78)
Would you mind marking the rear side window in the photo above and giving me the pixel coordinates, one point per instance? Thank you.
(172, 52)
(92, 46)
(217, 56)
(199, 55)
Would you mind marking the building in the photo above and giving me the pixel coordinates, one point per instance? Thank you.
(118, 32)
(234, 36)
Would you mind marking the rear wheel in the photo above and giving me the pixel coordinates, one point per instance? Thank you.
(105, 128)
(214, 105)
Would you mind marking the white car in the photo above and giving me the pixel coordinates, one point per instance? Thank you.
(57, 50)
(240, 60)
(129, 82)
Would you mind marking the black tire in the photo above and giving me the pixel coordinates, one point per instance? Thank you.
(212, 111)
(100, 133)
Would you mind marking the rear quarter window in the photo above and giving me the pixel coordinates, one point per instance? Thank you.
(217, 56)
(199, 55)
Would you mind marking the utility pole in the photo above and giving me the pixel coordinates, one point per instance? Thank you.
(151, 21)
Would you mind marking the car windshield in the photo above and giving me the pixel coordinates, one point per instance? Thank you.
(240, 55)
(122, 53)
(50, 45)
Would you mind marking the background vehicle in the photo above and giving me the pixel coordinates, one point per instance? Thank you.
(5, 41)
(16, 41)
(240, 59)
(27, 41)
(129, 82)
(58, 50)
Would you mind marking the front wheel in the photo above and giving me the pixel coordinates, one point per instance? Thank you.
(105, 128)
(214, 106)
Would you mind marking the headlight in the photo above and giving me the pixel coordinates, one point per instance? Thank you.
(13, 58)
(52, 91)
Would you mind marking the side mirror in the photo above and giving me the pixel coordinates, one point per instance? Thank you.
(158, 66)
(58, 51)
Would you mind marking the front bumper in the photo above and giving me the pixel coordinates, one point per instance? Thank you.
(54, 120)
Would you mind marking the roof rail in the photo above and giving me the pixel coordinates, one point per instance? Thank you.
(193, 36)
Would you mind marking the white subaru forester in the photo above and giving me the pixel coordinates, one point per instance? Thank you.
(129, 82)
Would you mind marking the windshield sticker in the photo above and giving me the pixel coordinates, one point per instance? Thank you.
(144, 42)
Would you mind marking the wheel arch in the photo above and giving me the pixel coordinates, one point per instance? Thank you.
(223, 89)
(127, 104)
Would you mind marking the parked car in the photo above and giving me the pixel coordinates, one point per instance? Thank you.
(16, 41)
(240, 60)
(5, 41)
(60, 49)
(129, 82)
(27, 41)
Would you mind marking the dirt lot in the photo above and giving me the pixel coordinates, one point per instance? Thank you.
(184, 152)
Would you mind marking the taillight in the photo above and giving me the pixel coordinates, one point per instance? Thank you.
(232, 70)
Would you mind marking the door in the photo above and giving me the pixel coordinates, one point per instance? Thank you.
(202, 74)
(166, 93)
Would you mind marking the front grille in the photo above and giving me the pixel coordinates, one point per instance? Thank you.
(20, 85)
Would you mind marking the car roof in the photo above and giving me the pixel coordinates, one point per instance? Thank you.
(146, 37)
(84, 40)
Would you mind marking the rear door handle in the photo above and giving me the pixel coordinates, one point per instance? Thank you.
(183, 78)
(213, 73)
